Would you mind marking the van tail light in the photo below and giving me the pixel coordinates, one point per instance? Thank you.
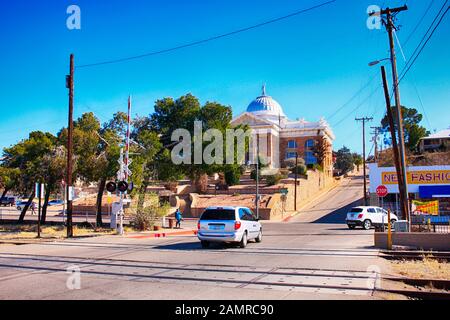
(198, 225)
(237, 225)
(360, 216)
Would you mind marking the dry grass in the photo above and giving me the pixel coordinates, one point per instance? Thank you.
(24, 232)
(427, 268)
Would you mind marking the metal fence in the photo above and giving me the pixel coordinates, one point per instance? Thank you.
(428, 223)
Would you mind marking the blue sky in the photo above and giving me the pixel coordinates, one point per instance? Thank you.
(312, 63)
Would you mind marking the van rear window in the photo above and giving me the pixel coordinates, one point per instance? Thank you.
(356, 210)
(218, 214)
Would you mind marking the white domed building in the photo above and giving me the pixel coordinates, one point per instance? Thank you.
(281, 138)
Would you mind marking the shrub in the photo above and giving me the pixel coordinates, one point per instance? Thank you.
(144, 217)
(232, 176)
(253, 174)
(318, 167)
(290, 163)
(300, 169)
(274, 179)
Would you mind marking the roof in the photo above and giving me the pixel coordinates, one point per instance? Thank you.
(265, 104)
(439, 135)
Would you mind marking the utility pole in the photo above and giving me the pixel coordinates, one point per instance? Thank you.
(364, 119)
(376, 132)
(296, 179)
(403, 203)
(69, 187)
(388, 20)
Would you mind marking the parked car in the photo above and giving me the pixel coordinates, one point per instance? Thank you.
(20, 205)
(7, 202)
(368, 217)
(55, 203)
(229, 224)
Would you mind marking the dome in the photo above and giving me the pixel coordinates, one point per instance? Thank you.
(265, 105)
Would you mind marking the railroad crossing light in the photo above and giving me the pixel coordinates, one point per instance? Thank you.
(111, 187)
(122, 186)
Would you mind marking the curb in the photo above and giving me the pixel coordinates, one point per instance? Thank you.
(164, 234)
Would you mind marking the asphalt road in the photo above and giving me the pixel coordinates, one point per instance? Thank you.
(313, 256)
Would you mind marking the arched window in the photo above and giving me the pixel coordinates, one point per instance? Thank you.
(310, 158)
(292, 144)
(309, 144)
(290, 155)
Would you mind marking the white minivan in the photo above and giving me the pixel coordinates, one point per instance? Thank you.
(228, 224)
(367, 217)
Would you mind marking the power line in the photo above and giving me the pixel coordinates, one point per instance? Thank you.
(353, 97)
(195, 43)
(357, 107)
(419, 22)
(428, 30)
(423, 46)
(413, 81)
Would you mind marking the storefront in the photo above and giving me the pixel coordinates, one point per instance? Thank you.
(428, 188)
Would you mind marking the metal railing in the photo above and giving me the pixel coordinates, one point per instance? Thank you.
(429, 223)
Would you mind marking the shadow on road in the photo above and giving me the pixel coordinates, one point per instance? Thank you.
(339, 215)
(189, 246)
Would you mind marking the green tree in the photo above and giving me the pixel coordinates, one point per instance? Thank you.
(344, 160)
(52, 172)
(412, 129)
(9, 178)
(357, 160)
(28, 157)
(181, 114)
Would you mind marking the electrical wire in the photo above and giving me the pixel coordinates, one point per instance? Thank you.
(413, 81)
(352, 98)
(195, 43)
(418, 23)
(409, 65)
(357, 107)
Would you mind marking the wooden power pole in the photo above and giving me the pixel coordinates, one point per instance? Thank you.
(388, 16)
(69, 190)
(364, 119)
(403, 203)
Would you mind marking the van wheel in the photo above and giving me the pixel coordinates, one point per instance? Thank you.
(259, 237)
(367, 224)
(205, 244)
(351, 227)
(392, 223)
(244, 239)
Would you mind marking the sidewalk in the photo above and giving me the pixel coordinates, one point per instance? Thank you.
(314, 198)
(188, 228)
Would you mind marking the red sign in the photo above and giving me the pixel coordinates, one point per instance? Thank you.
(382, 191)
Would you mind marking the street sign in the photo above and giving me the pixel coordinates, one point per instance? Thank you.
(382, 191)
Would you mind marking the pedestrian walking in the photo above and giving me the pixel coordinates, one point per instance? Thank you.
(33, 208)
(179, 218)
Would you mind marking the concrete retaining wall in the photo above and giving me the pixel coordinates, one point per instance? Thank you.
(418, 240)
